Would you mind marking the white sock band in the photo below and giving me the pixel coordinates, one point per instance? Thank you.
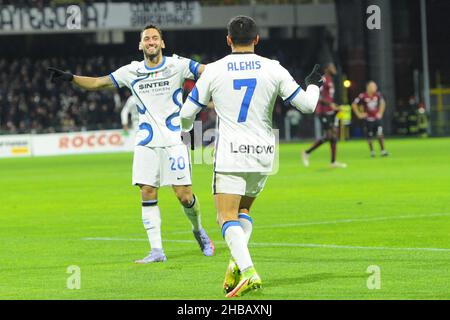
(236, 240)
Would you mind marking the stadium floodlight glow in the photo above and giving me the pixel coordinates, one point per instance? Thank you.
(347, 83)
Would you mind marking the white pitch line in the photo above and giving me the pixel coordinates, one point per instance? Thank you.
(338, 221)
(302, 224)
(270, 244)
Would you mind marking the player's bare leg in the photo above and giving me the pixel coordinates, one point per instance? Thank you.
(384, 153)
(372, 152)
(332, 137)
(191, 207)
(244, 215)
(233, 273)
(306, 153)
(228, 206)
(151, 218)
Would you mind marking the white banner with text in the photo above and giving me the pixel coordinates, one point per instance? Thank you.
(53, 144)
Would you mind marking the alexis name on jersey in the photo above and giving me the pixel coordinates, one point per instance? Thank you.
(244, 65)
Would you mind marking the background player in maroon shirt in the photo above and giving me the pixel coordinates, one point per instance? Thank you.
(326, 111)
(373, 106)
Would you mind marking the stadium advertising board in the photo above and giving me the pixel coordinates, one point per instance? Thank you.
(15, 146)
(81, 142)
(98, 16)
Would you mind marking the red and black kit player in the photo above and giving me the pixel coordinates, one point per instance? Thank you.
(326, 112)
(373, 106)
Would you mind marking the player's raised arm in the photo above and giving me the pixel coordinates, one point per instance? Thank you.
(197, 100)
(88, 83)
(189, 110)
(306, 101)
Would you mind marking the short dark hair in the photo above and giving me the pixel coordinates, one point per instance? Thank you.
(152, 26)
(242, 30)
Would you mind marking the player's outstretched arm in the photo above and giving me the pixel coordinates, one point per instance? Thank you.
(306, 101)
(88, 83)
(93, 83)
(187, 115)
(198, 99)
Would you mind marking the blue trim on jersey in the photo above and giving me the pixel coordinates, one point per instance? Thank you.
(194, 97)
(158, 66)
(143, 126)
(139, 79)
(246, 217)
(147, 127)
(114, 80)
(141, 111)
(194, 93)
(134, 91)
(292, 96)
(193, 67)
(169, 122)
(176, 114)
(198, 104)
(228, 224)
(174, 97)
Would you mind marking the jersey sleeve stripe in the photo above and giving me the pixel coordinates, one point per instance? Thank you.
(292, 96)
(193, 67)
(198, 104)
(114, 80)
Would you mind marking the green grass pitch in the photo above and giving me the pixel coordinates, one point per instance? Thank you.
(316, 230)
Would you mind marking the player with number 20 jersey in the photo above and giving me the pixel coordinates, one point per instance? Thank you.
(160, 157)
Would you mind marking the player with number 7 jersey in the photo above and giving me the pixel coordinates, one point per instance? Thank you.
(160, 156)
(244, 87)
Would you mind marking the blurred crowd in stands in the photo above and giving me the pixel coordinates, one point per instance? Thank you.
(29, 102)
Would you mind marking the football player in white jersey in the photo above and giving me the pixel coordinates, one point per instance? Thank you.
(129, 108)
(160, 157)
(244, 87)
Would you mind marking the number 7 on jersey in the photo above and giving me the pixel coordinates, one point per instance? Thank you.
(251, 85)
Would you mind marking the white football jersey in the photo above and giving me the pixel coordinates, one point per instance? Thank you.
(158, 93)
(244, 87)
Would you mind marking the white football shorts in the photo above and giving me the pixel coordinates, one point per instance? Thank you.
(162, 166)
(248, 184)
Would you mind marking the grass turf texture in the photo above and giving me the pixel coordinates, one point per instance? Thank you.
(50, 205)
